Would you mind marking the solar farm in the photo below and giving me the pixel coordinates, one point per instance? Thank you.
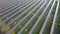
(29, 16)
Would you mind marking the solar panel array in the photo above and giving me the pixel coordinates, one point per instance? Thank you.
(30, 17)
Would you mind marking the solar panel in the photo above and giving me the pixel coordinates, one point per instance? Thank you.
(29, 17)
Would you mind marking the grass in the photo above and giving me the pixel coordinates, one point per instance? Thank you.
(38, 27)
(58, 21)
(48, 27)
(30, 25)
(28, 28)
(22, 24)
(0, 21)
